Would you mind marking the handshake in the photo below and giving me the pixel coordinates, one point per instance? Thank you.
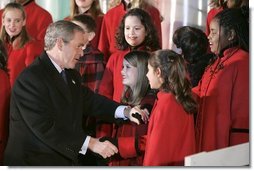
(107, 146)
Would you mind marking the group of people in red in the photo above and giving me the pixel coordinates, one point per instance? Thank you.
(196, 101)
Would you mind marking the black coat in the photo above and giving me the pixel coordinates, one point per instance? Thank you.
(46, 116)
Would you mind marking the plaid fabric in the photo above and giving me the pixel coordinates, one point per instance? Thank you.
(91, 67)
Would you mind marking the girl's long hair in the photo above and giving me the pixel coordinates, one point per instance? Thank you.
(138, 59)
(23, 34)
(174, 75)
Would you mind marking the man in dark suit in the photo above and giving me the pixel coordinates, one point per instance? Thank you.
(46, 112)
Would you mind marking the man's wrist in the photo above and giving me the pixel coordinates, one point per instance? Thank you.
(126, 112)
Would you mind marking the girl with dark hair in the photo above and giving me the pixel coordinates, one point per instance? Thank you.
(194, 45)
(170, 135)
(21, 48)
(112, 19)
(136, 32)
(4, 101)
(129, 137)
(223, 115)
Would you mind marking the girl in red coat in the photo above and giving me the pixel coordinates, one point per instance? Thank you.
(88, 7)
(128, 137)
(4, 101)
(21, 49)
(217, 6)
(170, 135)
(223, 115)
(136, 32)
(113, 18)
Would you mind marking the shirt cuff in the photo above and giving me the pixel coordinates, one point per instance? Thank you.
(84, 147)
(119, 113)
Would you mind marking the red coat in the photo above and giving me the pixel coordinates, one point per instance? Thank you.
(223, 117)
(170, 135)
(110, 23)
(4, 111)
(18, 59)
(111, 84)
(37, 21)
(129, 137)
(210, 15)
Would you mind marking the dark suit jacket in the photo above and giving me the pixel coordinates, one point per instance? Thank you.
(46, 116)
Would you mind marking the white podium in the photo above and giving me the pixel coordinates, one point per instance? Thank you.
(238, 155)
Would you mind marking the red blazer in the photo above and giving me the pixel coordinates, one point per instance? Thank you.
(223, 117)
(4, 112)
(170, 135)
(37, 21)
(110, 23)
(18, 59)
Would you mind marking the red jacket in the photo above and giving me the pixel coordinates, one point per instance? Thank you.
(4, 112)
(130, 138)
(18, 59)
(110, 23)
(37, 21)
(223, 117)
(170, 135)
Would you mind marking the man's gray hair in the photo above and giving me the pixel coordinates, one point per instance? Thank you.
(60, 29)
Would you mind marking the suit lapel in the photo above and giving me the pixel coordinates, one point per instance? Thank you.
(56, 78)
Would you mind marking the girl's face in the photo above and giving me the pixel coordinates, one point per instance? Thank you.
(84, 3)
(217, 37)
(13, 22)
(129, 74)
(154, 77)
(134, 31)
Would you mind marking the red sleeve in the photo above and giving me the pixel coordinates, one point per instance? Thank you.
(171, 137)
(126, 146)
(33, 50)
(106, 87)
(103, 44)
(156, 17)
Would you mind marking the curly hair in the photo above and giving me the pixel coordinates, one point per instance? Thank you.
(151, 41)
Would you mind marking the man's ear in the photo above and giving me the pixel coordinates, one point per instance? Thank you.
(91, 35)
(59, 43)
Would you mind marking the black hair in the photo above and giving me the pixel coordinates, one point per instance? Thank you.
(236, 19)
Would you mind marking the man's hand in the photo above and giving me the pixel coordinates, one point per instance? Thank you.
(105, 149)
(132, 114)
